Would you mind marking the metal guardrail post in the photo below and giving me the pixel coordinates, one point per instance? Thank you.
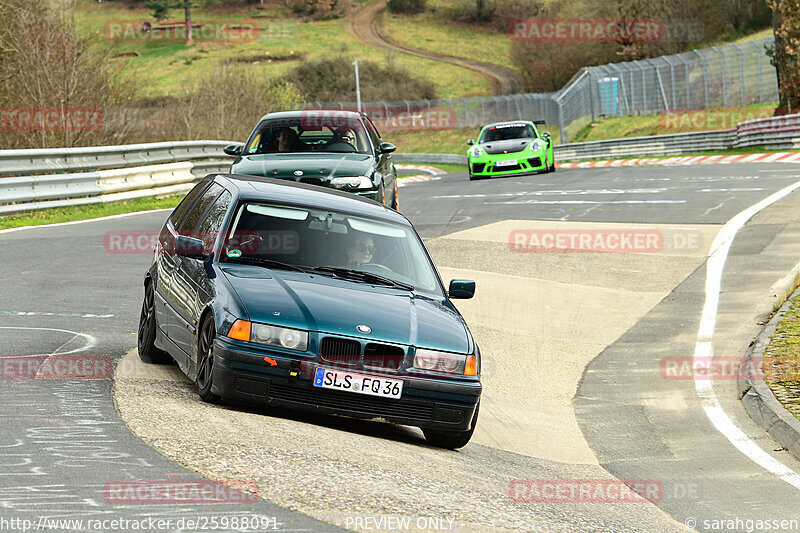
(760, 74)
(741, 71)
(724, 77)
(562, 132)
(660, 83)
(644, 87)
(705, 73)
(671, 79)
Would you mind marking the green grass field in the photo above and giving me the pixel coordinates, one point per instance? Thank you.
(432, 34)
(83, 212)
(173, 68)
(700, 120)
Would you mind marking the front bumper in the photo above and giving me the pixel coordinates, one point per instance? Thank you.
(243, 376)
(485, 167)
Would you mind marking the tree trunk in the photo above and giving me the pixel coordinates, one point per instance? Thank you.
(187, 6)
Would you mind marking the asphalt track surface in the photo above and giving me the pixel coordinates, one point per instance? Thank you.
(64, 291)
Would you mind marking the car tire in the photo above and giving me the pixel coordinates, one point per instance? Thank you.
(451, 440)
(147, 331)
(204, 352)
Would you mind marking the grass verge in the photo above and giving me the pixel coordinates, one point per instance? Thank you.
(85, 212)
(782, 360)
(666, 123)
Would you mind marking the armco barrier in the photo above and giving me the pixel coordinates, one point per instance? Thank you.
(207, 155)
(73, 176)
(27, 193)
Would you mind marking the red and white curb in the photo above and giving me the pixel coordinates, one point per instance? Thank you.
(431, 173)
(772, 157)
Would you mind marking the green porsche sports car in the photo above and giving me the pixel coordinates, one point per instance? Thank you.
(510, 149)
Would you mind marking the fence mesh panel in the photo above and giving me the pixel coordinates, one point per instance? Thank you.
(731, 75)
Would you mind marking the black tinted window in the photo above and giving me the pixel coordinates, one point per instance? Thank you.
(192, 220)
(186, 203)
(373, 133)
(209, 228)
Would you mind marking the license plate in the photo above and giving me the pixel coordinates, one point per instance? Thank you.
(508, 163)
(358, 383)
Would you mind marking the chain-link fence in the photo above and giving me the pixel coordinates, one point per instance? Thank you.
(730, 75)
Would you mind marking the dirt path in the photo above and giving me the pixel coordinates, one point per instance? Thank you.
(365, 25)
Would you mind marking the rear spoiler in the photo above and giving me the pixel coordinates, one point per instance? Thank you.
(539, 122)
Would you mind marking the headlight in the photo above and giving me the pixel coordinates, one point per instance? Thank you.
(536, 145)
(291, 339)
(353, 182)
(452, 363)
(476, 151)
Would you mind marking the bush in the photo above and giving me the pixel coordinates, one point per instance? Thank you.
(406, 6)
(333, 80)
(48, 71)
(225, 106)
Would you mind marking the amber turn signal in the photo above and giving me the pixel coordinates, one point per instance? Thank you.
(240, 330)
(471, 368)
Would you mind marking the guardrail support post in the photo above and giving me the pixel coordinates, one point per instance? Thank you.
(705, 74)
(724, 77)
(741, 71)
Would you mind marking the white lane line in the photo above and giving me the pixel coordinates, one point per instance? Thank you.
(123, 215)
(704, 348)
(587, 202)
(89, 340)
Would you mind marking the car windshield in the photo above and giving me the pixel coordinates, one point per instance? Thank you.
(329, 243)
(504, 132)
(310, 132)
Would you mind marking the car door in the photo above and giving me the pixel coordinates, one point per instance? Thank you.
(181, 328)
(384, 162)
(166, 261)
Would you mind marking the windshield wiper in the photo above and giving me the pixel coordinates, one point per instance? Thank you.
(360, 275)
(268, 263)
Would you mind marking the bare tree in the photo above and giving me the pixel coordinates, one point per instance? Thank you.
(71, 94)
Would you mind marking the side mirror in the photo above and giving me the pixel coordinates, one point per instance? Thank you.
(387, 148)
(233, 149)
(189, 247)
(546, 135)
(471, 142)
(462, 289)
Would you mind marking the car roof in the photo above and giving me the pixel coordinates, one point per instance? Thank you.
(302, 194)
(299, 112)
(507, 122)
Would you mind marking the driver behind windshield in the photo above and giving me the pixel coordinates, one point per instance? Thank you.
(360, 251)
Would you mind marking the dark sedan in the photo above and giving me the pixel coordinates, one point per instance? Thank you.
(277, 293)
(338, 149)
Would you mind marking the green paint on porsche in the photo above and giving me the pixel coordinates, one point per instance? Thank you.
(509, 149)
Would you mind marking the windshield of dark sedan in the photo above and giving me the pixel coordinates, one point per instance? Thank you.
(309, 133)
(506, 132)
(310, 238)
